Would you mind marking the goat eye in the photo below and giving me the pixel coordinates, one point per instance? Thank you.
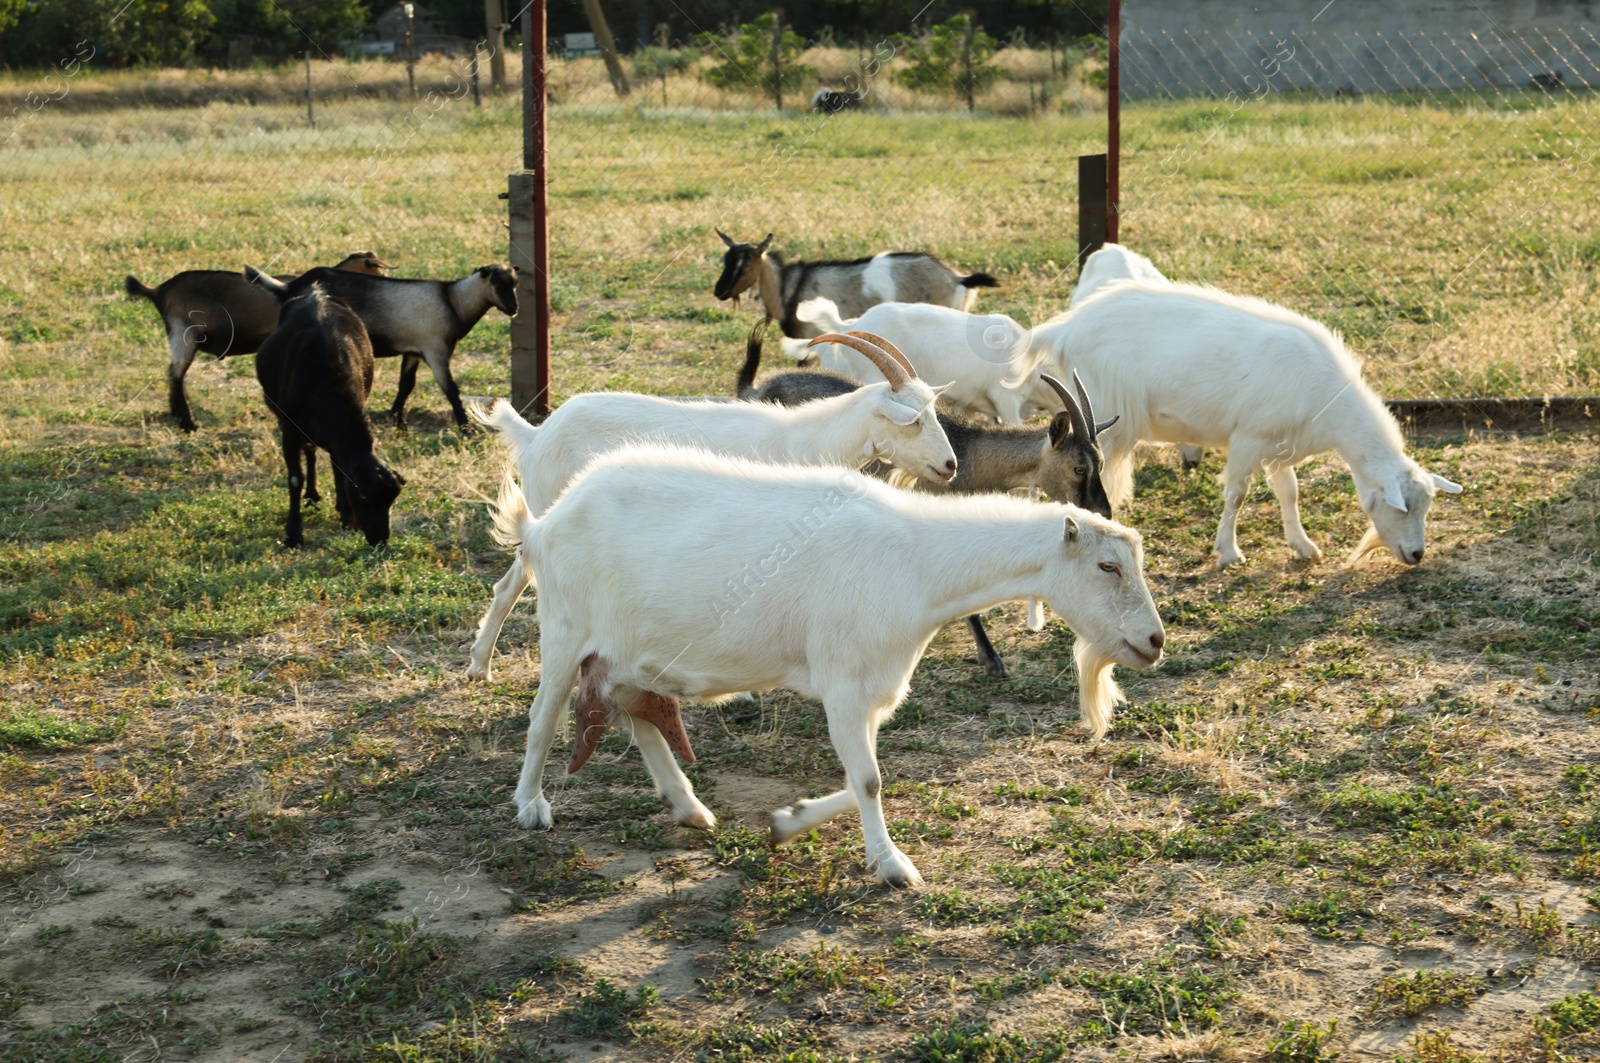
(1080, 471)
(1107, 566)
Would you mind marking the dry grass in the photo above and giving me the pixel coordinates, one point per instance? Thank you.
(1342, 774)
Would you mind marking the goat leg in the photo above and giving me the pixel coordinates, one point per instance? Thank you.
(987, 656)
(312, 494)
(408, 380)
(182, 349)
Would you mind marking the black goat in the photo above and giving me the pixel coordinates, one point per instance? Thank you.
(316, 372)
(218, 312)
(1062, 459)
(415, 320)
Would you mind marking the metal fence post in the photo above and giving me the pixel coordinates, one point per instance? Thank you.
(530, 232)
(1113, 119)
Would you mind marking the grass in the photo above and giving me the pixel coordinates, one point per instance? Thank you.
(253, 783)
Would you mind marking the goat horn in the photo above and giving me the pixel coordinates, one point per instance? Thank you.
(1088, 407)
(725, 237)
(1081, 425)
(891, 349)
(762, 246)
(892, 370)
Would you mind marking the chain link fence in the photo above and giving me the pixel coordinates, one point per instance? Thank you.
(1429, 194)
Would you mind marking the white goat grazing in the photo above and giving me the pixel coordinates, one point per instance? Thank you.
(1182, 364)
(993, 369)
(892, 421)
(1112, 263)
(823, 581)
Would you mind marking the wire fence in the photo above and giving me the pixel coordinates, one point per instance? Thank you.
(1430, 195)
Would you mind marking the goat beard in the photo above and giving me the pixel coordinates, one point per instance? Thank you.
(1098, 693)
(1369, 542)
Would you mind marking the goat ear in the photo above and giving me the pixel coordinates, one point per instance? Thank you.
(1441, 484)
(762, 246)
(725, 237)
(898, 412)
(1060, 430)
(1072, 530)
(1394, 496)
(1103, 425)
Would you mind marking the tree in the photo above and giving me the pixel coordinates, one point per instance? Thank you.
(745, 58)
(953, 55)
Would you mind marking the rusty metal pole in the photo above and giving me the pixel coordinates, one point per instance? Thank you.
(1113, 119)
(530, 231)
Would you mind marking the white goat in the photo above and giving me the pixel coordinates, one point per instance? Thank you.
(1183, 364)
(892, 421)
(1112, 263)
(994, 370)
(823, 581)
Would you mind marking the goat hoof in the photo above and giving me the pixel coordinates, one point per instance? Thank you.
(895, 870)
(698, 818)
(535, 815)
(478, 673)
(1232, 557)
(785, 826)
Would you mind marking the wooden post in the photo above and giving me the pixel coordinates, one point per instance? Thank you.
(311, 119)
(777, 45)
(1113, 119)
(477, 60)
(966, 59)
(494, 28)
(411, 48)
(530, 232)
(1091, 205)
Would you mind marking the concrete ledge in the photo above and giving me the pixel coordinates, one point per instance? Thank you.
(1500, 415)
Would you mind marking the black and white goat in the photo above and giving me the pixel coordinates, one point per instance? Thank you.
(414, 320)
(842, 607)
(316, 372)
(1063, 460)
(855, 285)
(218, 312)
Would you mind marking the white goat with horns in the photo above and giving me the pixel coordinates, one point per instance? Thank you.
(891, 421)
(823, 581)
(1183, 364)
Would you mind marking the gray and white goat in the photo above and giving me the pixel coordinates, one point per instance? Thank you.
(1062, 459)
(414, 320)
(218, 312)
(855, 285)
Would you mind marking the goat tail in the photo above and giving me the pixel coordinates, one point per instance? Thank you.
(514, 430)
(823, 313)
(745, 388)
(133, 287)
(978, 280)
(512, 520)
(1098, 693)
